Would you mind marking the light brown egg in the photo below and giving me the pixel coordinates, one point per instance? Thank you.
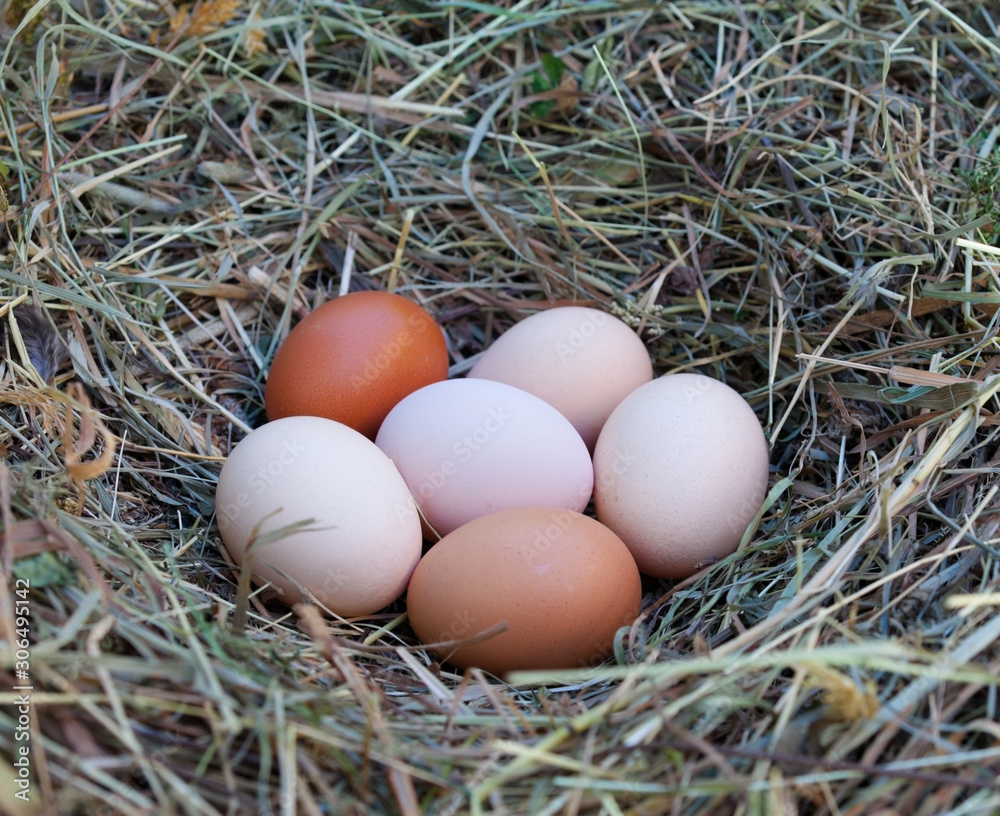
(680, 470)
(561, 581)
(581, 361)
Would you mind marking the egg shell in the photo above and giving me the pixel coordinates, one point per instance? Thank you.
(358, 553)
(353, 358)
(471, 447)
(562, 582)
(680, 470)
(582, 361)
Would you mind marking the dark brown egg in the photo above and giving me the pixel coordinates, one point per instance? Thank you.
(354, 358)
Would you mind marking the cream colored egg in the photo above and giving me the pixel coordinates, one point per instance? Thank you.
(364, 540)
(680, 470)
(581, 361)
(471, 447)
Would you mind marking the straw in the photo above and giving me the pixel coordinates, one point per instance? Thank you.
(801, 200)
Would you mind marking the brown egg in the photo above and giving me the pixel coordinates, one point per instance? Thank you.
(562, 582)
(354, 358)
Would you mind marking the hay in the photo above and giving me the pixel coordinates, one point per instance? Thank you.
(801, 199)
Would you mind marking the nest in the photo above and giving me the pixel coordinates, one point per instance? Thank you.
(800, 199)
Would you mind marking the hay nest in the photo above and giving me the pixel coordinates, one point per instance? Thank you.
(800, 199)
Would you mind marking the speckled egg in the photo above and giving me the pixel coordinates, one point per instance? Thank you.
(354, 358)
(680, 470)
(582, 361)
(561, 583)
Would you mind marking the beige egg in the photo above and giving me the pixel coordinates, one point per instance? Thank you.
(471, 447)
(582, 361)
(357, 553)
(559, 584)
(680, 470)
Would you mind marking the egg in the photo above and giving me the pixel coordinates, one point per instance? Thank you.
(353, 358)
(561, 582)
(680, 470)
(471, 447)
(582, 361)
(363, 541)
